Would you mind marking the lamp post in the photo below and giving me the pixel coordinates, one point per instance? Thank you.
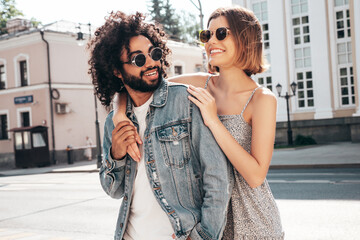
(201, 14)
(293, 86)
(201, 28)
(80, 37)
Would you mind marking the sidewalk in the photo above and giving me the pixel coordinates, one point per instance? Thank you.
(343, 154)
(339, 154)
(83, 166)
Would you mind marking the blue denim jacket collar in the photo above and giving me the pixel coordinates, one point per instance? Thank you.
(159, 100)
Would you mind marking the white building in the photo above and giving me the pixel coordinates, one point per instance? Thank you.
(316, 45)
(27, 73)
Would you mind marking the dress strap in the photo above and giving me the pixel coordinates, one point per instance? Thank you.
(252, 94)
(207, 80)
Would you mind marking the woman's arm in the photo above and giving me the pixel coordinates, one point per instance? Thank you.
(253, 167)
(119, 106)
(195, 79)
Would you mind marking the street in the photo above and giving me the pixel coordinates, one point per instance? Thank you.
(313, 203)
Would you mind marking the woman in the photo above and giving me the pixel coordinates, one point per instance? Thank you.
(242, 117)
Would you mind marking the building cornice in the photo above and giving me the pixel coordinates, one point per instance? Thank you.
(34, 37)
(46, 86)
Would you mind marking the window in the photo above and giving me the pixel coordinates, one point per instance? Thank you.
(178, 70)
(22, 70)
(18, 141)
(299, 6)
(2, 77)
(301, 30)
(261, 12)
(305, 92)
(341, 2)
(265, 81)
(347, 86)
(3, 127)
(266, 36)
(25, 119)
(22, 140)
(343, 28)
(23, 73)
(302, 57)
(38, 140)
(344, 52)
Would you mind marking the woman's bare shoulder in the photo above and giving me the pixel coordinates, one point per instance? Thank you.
(195, 79)
(264, 98)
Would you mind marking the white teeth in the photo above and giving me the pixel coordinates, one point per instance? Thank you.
(151, 74)
(216, 51)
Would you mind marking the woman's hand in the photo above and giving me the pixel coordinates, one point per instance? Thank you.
(206, 103)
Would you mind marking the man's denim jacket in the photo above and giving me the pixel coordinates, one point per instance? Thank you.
(188, 172)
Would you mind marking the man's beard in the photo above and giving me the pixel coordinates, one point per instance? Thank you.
(138, 84)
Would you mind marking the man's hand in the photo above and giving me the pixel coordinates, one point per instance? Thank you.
(173, 236)
(123, 135)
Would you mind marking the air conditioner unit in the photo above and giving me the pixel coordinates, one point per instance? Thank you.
(62, 108)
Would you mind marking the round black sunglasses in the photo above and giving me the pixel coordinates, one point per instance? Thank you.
(139, 59)
(221, 33)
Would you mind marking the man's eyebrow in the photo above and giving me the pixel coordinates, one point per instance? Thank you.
(131, 53)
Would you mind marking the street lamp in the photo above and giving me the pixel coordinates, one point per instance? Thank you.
(293, 86)
(80, 37)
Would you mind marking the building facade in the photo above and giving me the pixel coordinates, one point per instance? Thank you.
(44, 82)
(316, 45)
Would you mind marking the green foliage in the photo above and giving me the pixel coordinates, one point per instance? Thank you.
(35, 23)
(156, 11)
(181, 27)
(304, 140)
(8, 11)
(189, 27)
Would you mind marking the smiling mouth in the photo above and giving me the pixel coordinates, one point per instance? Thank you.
(213, 51)
(151, 73)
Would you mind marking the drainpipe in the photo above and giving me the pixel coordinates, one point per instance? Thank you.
(51, 98)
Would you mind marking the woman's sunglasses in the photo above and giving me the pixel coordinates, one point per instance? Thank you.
(220, 33)
(139, 60)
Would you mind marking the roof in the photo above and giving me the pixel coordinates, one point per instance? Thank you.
(30, 128)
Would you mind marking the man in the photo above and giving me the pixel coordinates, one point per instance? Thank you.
(180, 187)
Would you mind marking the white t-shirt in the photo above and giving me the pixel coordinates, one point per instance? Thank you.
(147, 220)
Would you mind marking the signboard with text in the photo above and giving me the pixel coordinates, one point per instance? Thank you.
(24, 99)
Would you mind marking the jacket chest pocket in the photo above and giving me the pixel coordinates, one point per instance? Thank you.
(175, 145)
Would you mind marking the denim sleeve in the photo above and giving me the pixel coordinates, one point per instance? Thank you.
(112, 172)
(217, 180)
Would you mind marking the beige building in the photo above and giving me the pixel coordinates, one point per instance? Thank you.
(28, 70)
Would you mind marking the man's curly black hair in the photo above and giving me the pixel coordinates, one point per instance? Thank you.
(108, 44)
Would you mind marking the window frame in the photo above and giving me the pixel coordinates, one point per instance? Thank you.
(19, 58)
(21, 110)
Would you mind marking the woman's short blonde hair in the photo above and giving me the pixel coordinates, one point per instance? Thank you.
(246, 30)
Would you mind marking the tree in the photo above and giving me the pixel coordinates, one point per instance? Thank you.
(8, 11)
(155, 10)
(171, 22)
(163, 13)
(182, 27)
(189, 27)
